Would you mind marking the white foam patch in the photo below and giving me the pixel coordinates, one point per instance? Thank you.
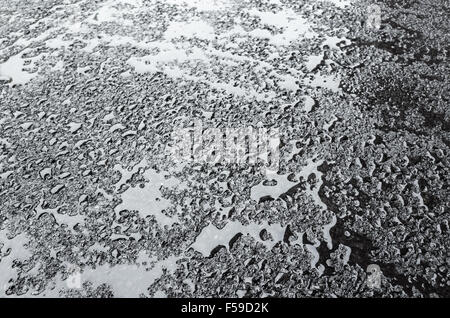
(211, 237)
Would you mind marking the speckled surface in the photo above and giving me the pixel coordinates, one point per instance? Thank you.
(93, 203)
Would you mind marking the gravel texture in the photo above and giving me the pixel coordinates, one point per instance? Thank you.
(92, 203)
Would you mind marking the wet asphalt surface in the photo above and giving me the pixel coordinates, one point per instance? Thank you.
(91, 92)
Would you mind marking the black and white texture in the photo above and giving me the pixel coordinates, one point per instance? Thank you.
(93, 203)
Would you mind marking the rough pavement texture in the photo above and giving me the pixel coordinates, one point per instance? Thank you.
(90, 92)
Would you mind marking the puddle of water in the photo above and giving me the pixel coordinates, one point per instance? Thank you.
(211, 236)
(148, 200)
(313, 61)
(260, 190)
(18, 251)
(202, 5)
(330, 82)
(69, 220)
(125, 280)
(293, 25)
(193, 29)
(339, 3)
(283, 184)
(13, 69)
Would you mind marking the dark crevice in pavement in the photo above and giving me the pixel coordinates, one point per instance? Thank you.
(361, 247)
